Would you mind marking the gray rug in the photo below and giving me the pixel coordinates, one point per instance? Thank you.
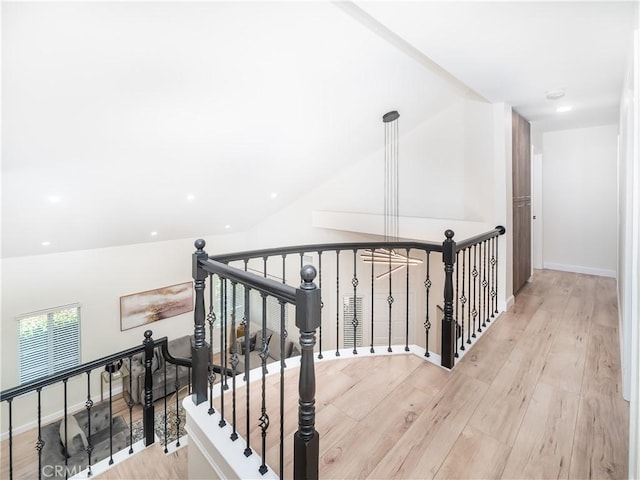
(159, 425)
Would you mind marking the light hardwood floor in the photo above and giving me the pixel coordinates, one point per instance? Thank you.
(538, 397)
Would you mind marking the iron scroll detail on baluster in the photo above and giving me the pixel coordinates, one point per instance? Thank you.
(306, 445)
(448, 322)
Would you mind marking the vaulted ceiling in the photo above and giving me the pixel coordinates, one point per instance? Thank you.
(122, 119)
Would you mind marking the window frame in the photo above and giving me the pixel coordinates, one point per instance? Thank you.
(52, 361)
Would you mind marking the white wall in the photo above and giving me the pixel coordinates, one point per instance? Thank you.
(430, 167)
(502, 196)
(629, 246)
(579, 200)
(479, 179)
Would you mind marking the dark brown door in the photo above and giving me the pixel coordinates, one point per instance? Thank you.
(521, 143)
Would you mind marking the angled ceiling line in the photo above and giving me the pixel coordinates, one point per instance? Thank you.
(401, 44)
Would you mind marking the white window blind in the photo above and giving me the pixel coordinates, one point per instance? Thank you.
(348, 308)
(48, 342)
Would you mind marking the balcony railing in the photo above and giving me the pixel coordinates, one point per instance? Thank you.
(351, 298)
(395, 281)
(52, 453)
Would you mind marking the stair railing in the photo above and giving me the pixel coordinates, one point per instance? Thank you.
(109, 364)
(254, 271)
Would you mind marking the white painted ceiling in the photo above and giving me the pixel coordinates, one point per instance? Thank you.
(123, 109)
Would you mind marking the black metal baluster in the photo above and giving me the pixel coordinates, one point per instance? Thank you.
(457, 301)
(497, 265)
(282, 367)
(264, 353)
(494, 310)
(427, 322)
(88, 405)
(485, 285)
(40, 443)
(474, 273)
(111, 414)
(234, 361)
(178, 420)
(320, 356)
(130, 406)
(211, 318)
(223, 348)
(337, 303)
(355, 282)
(406, 339)
(10, 401)
(283, 327)
(66, 430)
(390, 303)
(481, 282)
(373, 279)
(165, 420)
(247, 367)
(463, 300)
(469, 316)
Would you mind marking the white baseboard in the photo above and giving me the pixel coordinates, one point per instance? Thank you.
(600, 272)
(507, 304)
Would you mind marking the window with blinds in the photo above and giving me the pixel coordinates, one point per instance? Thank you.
(48, 342)
(348, 310)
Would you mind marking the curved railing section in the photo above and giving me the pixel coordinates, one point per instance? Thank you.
(357, 297)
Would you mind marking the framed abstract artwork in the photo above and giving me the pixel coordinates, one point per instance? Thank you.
(153, 305)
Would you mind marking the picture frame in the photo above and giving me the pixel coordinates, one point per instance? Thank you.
(150, 306)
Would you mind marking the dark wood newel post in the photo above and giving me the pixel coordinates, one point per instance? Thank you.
(199, 348)
(147, 409)
(448, 323)
(306, 445)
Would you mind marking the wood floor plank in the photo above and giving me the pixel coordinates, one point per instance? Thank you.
(374, 435)
(600, 449)
(389, 371)
(564, 365)
(606, 303)
(423, 448)
(487, 356)
(474, 456)
(151, 463)
(542, 448)
(602, 371)
(505, 404)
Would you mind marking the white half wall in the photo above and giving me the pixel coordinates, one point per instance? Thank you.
(579, 200)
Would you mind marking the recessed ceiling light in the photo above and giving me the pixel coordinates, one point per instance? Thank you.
(274, 195)
(54, 198)
(46, 244)
(153, 234)
(555, 94)
(564, 109)
(191, 197)
(227, 227)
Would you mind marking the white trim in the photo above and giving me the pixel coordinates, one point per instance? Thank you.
(103, 465)
(600, 272)
(507, 305)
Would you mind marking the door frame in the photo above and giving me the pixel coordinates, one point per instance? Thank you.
(537, 231)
